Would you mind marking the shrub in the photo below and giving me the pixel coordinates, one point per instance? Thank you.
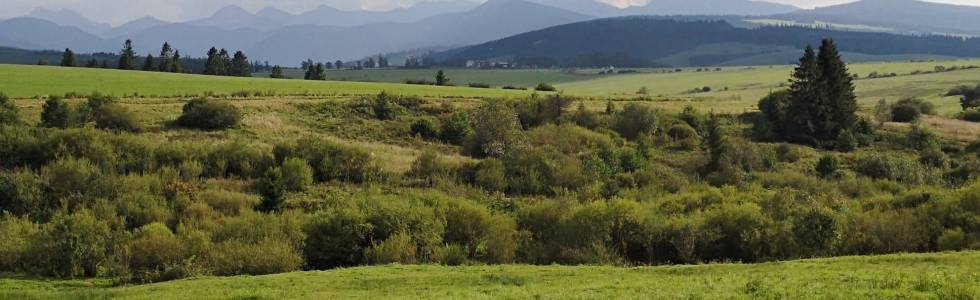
(17, 234)
(846, 142)
(398, 248)
(207, 114)
(540, 111)
(95, 102)
(9, 113)
(71, 178)
(268, 256)
(430, 167)
(585, 118)
(337, 240)
(331, 161)
(466, 226)
(496, 131)
(23, 194)
(72, 245)
(921, 139)
(273, 190)
(905, 113)
(828, 166)
(952, 240)
(297, 175)
(685, 136)
(635, 120)
(491, 174)
(56, 113)
(970, 116)
(385, 107)
(789, 153)
(153, 252)
(227, 202)
(545, 87)
(479, 85)
(116, 117)
(455, 128)
(425, 128)
(889, 166)
(452, 255)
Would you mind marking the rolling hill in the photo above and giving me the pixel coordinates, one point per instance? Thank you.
(694, 43)
(903, 16)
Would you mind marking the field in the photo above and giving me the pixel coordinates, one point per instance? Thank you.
(29, 81)
(907, 276)
(448, 193)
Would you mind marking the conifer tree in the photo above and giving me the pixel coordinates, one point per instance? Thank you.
(277, 72)
(806, 100)
(441, 78)
(240, 66)
(176, 66)
(211, 66)
(148, 63)
(166, 58)
(838, 90)
(127, 57)
(68, 59)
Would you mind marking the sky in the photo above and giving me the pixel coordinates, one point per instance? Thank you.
(116, 12)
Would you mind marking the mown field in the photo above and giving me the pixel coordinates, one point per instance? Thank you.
(906, 276)
(20, 81)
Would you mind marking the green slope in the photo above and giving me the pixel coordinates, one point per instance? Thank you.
(913, 276)
(23, 81)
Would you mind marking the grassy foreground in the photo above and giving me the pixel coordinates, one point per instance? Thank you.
(24, 81)
(908, 276)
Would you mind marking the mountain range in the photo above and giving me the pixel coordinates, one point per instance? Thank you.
(642, 41)
(328, 33)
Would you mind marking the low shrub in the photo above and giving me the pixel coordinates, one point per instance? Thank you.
(117, 118)
(297, 175)
(455, 128)
(479, 85)
(425, 128)
(545, 87)
(635, 120)
(9, 112)
(208, 114)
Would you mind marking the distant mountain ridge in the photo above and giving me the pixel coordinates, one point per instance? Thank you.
(290, 44)
(902, 16)
(694, 43)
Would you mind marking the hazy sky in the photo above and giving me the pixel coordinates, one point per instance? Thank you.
(120, 11)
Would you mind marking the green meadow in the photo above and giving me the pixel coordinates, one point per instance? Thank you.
(21, 81)
(902, 276)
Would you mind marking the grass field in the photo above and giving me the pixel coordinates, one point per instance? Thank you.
(21, 81)
(461, 77)
(906, 276)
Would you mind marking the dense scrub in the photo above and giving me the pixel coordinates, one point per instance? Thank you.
(546, 182)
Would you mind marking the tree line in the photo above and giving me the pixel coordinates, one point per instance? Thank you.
(218, 62)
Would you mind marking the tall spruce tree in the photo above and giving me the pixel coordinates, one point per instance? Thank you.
(148, 63)
(806, 100)
(821, 102)
(240, 66)
(211, 66)
(68, 59)
(223, 62)
(838, 89)
(127, 57)
(166, 58)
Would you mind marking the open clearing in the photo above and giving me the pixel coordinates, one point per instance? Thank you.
(910, 276)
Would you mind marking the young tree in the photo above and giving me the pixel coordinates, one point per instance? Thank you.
(68, 59)
(316, 73)
(240, 66)
(805, 99)
(338, 64)
(277, 72)
(56, 113)
(441, 78)
(127, 57)
(166, 58)
(148, 63)
(176, 66)
(715, 141)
